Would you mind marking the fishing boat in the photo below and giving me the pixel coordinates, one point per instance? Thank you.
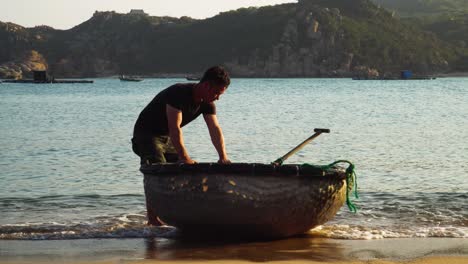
(248, 200)
(245, 199)
(130, 79)
(192, 78)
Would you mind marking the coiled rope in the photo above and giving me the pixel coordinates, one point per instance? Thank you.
(351, 179)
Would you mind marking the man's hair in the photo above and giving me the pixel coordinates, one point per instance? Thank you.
(217, 75)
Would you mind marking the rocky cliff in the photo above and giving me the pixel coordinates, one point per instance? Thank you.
(309, 39)
(23, 66)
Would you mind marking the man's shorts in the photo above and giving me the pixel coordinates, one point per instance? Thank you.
(158, 149)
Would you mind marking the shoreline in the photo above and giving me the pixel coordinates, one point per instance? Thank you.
(304, 249)
(185, 75)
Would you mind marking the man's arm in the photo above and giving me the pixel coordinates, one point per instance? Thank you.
(174, 120)
(217, 137)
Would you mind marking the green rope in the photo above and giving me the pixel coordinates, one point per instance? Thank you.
(351, 178)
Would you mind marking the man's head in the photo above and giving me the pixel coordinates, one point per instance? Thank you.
(217, 75)
(215, 81)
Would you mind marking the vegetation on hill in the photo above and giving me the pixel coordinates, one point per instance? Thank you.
(310, 38)
(413, 8)
(447, 19)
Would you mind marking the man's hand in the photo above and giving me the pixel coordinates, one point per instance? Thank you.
(224, 161)
(174, 121)
(186, 161)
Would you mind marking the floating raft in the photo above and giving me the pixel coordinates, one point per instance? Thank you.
(392, 79)
(244, 199)
(54, 81)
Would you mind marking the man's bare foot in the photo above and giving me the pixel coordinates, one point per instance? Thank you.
(155, 222)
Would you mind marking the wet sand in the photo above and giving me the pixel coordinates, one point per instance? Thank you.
(294, 250)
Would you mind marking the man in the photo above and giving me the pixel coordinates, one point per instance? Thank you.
(157, 136)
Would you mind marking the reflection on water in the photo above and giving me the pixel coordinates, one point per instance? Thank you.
(305, 247)
(300, 247)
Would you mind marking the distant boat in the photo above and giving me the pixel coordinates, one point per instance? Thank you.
(129, 79)
(191, 78)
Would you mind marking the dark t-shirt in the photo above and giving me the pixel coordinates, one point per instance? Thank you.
(153, 119)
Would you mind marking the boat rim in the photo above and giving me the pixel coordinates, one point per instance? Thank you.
(242, 169)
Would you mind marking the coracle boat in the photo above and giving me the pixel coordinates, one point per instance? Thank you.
(245, 199)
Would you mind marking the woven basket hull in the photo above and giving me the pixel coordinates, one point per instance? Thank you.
(255, 200)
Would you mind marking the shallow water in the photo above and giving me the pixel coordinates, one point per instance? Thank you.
(67, 170)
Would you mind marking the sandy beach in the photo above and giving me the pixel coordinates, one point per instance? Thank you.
(304, 249)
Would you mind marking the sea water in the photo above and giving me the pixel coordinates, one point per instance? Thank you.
(67, 170)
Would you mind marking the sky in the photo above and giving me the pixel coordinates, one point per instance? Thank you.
(65, 14)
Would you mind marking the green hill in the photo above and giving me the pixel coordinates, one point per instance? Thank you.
(413, 8)
(448, 19)
(311, 38)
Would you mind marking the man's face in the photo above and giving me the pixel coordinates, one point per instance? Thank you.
(214, 92)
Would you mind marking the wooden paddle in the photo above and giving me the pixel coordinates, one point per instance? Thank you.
(317, 131)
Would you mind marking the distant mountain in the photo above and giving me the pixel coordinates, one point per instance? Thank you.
(309, 39)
